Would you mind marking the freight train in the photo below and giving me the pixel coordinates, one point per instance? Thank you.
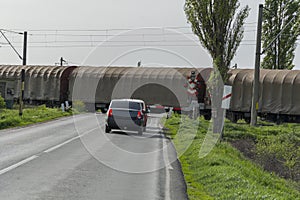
(95, 86)
(279, 95)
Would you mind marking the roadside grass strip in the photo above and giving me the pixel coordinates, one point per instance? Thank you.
(10, 118)
(225, 173)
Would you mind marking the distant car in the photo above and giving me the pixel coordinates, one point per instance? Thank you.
(126, 114)
(157, 108)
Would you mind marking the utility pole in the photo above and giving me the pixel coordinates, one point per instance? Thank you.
(24, 60)
(25, 48)
(62, 61)
(255, 94)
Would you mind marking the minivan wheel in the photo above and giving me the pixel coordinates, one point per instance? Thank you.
(107, 129)
(140, 131)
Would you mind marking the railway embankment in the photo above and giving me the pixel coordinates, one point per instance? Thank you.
(249, 163)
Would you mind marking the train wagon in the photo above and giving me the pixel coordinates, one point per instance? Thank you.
(43, 84)
(9, 84)
(279, 95)
(96, 86)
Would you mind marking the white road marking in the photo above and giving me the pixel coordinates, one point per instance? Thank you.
(168, 166)
(22, 162)
(68, 141)
(165, 153)
(3, 171)
(60, 145)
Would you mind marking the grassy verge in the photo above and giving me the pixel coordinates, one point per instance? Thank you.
(225, 173)
(11, 118)
(275, 147)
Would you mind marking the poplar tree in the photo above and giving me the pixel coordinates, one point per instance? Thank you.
(219, 27)
(280, 16)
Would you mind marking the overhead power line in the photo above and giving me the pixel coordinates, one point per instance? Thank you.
(121, 29)
(55, 38)
(11, 31)
(18, 31)
(121, 45)
(112, 41)
(117, 35)
(11, 45)
(103, 35)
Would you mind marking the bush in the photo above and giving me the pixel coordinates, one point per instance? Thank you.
(79, 106)
(9, 121)
(2, 103)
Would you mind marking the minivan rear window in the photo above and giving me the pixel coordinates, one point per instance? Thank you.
(126, 104)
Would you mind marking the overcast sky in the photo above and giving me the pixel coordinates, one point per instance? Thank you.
(114, 32)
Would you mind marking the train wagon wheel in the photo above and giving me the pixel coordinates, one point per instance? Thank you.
(247, 120)
(207, 117)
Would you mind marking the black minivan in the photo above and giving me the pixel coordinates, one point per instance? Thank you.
(126, 114)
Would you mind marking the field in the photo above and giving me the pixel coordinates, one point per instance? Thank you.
(250, 163)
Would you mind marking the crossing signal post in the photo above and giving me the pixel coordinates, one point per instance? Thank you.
(192, 86)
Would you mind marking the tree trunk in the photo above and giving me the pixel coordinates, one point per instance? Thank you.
(216, 85)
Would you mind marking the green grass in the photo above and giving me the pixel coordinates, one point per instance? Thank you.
(243, 130)
(10, 118)
(225, 173)
(273, 143)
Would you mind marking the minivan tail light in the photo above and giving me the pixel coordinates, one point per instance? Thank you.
(139, 115)
(109, 113)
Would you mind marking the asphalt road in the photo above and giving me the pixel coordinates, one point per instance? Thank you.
(72, 158)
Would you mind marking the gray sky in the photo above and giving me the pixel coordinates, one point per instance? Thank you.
(115, 32)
